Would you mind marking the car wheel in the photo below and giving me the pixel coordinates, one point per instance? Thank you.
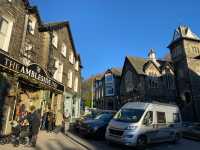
(177, 138)
(141, 142)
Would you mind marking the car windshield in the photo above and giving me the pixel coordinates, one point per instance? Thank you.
(129, 115)
(104, 116)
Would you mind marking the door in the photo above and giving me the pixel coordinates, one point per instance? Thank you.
(162, 127)
(149, 127)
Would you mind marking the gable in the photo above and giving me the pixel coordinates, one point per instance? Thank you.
(151, 69)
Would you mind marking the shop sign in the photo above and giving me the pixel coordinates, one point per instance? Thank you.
(33, 71)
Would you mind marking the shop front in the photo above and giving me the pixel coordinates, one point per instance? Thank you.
(22, 85)
(72, 105)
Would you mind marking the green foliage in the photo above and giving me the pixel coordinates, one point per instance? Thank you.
(87, 91)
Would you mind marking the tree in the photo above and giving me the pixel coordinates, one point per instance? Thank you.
(87, 91)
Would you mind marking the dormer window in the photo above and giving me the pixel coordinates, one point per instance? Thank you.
(71, 57)
(64, 50)
(31, 25)
(77, 66)
(55, 39)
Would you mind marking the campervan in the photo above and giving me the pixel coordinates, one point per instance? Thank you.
(139, 123)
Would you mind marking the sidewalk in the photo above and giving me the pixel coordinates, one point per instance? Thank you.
(49, 141)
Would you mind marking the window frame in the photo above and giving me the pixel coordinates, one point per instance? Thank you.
(55, 37)
(159, 114)
(71, 57)
(64, 50)
(6, 37)
(70, 78)
(31, 27)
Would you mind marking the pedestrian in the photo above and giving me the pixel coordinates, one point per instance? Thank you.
(49, 121)
(34, 122)
(66, 120)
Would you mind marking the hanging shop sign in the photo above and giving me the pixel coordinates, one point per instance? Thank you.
(33, 71)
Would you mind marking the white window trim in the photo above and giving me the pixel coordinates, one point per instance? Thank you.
(64, 50)
(77, 65)
(59, 71)
(32, 25)
(8, 35)
(71, 57)
(55, 44)
(76, 84)
(70, 78)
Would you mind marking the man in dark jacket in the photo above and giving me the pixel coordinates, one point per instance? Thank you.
(34, 122)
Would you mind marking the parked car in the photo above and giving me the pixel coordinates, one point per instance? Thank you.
(96, 127)
(79, 121)
(138, 124)
(191, 130)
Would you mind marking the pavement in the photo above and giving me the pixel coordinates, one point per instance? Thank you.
(48, 141)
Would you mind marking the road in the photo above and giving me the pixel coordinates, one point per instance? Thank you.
(91, 144)
(48, 141)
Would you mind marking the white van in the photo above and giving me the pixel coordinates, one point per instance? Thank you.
(138, 124)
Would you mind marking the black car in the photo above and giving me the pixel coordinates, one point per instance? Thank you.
(78, 122)
(96, 127)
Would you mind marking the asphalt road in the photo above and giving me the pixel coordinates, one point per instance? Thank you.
(92, 144)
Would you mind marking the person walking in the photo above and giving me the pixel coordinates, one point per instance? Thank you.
(34, 122)
(50, 121)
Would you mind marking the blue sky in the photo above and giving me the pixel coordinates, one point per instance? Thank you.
(105, 31)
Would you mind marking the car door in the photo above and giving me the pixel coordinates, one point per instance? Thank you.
(149, 126)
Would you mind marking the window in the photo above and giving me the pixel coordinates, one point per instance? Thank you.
(102, 92)
(76, 84)
(59, 71)
(153, 80)
(31, 25)
(77, 66)
(5, 33)
(64, 50)
(129, 81)
(27, 53)
(161, 117)
(70, 76)
(55, 39)
(195, 50)
(148, 119)
(71, 57)
(176, 117)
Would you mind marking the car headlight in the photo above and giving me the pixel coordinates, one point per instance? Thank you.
(95, 128)
(131, 127)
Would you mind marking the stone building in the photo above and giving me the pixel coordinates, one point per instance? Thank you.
(31, 71)
(185, 52)
(147, 80)
(106, 93)
(175, 81)
(64, 64)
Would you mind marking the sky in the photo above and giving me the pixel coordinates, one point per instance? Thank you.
(106, 31)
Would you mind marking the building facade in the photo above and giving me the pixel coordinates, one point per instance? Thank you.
(147, 80)
(106, 93)
(32, 72)
(185, 52)
(175, 81)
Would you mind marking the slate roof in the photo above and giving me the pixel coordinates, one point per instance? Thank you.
(184, 32)
(116, 71)
(138, 63)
